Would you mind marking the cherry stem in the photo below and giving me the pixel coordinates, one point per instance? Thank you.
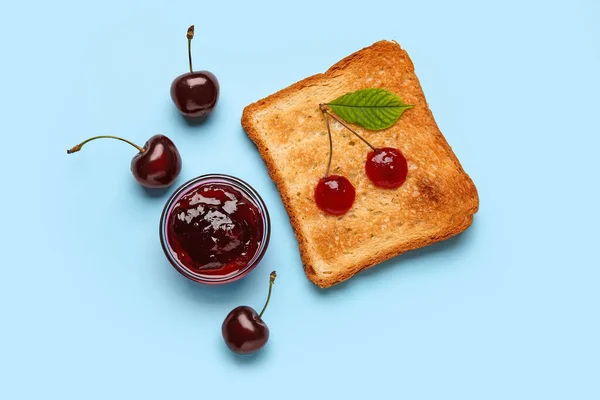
(190, 36)
(271, 282)
(338, 119)
(330, 145)
(75, 149)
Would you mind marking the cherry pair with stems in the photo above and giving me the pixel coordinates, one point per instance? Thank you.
(386, 167)
(158, 163)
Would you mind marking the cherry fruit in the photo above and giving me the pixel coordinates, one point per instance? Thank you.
(243, 330)
(386, 167)
(335, 194)
(156, 165)
(195, 93)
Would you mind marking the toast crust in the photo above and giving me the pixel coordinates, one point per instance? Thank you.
(452, 202)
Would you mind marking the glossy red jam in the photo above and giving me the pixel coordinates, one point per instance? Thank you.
(335, 194)
(214, 230)
(386, 167)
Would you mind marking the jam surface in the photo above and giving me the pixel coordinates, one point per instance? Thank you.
(215, 229)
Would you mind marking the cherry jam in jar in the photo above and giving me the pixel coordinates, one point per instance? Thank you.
(215, 229)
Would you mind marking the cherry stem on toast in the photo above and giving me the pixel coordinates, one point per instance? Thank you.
(75, 149)
(330, 145)
(326, 110)
(271, 282)
(190, 36)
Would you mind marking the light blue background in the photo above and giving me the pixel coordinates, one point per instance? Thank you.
(90, 308)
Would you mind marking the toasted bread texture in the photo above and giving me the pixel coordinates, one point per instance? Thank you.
(437, 200)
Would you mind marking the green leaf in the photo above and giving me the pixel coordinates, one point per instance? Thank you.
(373, 109)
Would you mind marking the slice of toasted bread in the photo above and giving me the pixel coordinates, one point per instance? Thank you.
(437, 200)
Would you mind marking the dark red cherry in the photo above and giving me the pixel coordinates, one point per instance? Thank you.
(386, 167)
(195, 93)
(243, 329)
(156, 165)
(334, 194)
